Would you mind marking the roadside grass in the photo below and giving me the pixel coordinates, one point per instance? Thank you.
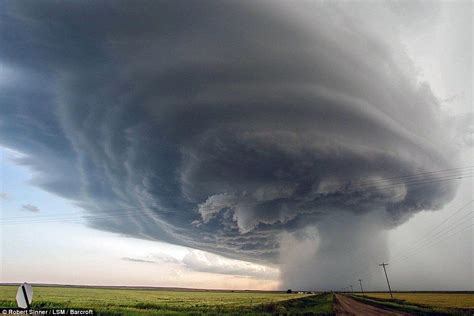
(410, 307)
(319, 304)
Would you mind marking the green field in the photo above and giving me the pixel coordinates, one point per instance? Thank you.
(423, 303)
(120, 301)
(444, 300)
(135, 301)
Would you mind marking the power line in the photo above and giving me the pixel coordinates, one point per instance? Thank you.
(428, 233)
(411, 177)
(432, 172)
(438, 234)
(430, 240)
(434, 238)
(52, 218)
(445, 172)
(74, 217)
(442, 222)
(408, 183)
(370, 253)
(434, 242)
(55, 215)
(432, 247)
(348, 189)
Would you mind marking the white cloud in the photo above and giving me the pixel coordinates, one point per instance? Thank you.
(206, 262)
(30, 208)
(137, 260)
(200, 261)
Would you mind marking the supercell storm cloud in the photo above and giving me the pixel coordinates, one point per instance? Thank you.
(218, 125)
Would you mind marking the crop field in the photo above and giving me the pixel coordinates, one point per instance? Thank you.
(149, 301)
(134, 301)
(443, 300)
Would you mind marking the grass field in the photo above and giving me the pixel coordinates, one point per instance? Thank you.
(146, 301)
(129, 301)
(443, 300)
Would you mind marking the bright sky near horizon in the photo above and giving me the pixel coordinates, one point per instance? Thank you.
(70, 252)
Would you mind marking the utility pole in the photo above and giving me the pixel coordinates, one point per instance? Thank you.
(383, 264)
(360, 281)
(352, 289)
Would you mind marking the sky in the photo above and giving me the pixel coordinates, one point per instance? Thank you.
(258, 145)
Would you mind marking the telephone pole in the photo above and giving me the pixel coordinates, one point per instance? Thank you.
(360, 282)
(352, 289)
(383, 264)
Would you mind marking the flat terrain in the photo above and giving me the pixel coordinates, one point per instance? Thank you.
(344, 305)
(444, 300)
(161, 301)
(150, 301)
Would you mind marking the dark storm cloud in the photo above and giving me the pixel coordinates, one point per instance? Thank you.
(226, 123)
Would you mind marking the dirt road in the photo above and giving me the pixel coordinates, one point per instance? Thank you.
(344, 305)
